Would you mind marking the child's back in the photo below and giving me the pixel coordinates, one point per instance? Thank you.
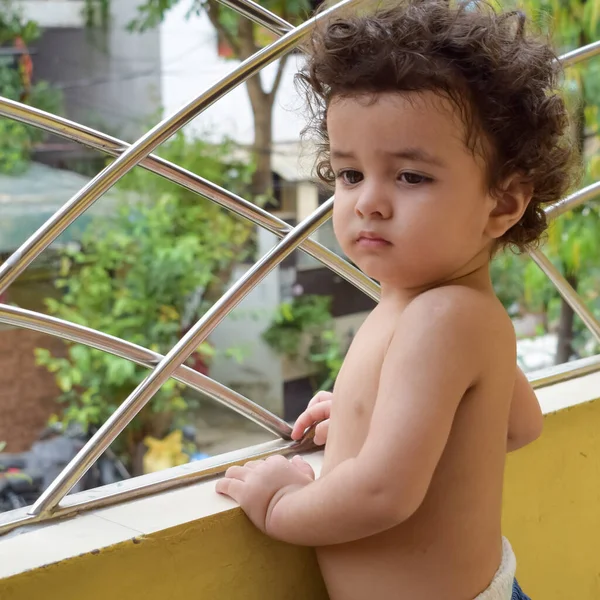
(450, 547)
(443, 137)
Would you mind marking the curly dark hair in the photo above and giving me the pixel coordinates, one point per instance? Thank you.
(501, 78)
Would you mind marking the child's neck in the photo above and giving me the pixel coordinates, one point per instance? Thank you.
(475, 276)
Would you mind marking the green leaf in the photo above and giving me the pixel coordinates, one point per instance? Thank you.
(64, 382)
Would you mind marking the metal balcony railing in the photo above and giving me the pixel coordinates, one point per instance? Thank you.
(52, 503)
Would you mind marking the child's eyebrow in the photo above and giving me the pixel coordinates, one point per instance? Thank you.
(413, 154)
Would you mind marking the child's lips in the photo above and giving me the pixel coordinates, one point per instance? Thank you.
(371, 240)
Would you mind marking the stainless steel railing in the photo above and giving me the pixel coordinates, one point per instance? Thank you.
(171, 365)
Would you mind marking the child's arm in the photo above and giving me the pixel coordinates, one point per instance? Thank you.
(435, 358)
(526, 421)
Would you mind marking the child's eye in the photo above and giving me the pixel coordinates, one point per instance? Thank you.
(414, 178)
(350, 176)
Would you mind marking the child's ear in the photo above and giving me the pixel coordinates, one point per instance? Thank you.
(511, 200)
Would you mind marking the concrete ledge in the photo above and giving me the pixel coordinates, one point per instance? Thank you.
(188, 542)
(569, 393)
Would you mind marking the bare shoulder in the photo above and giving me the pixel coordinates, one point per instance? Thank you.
(455, 307)
(458, 319)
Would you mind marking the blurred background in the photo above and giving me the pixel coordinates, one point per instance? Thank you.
(150, 257)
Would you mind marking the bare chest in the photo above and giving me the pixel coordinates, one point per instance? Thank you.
(356, 390)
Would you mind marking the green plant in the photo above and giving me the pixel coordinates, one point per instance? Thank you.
(573, 243)
(145, 274)
(328, 356)
(16, 139)
(304, 315)
(303, 328)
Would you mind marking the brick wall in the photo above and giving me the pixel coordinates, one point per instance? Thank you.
(27, 392)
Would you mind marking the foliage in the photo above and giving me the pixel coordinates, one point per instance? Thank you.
(304, 315)
(144, 275)
(573, 242)
(16, 139)
(328, 356)
(303, 328)
(96, 13)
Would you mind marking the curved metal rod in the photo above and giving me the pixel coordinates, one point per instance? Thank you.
(20, 317)
(169, 359)
(123, 415)
(576, 199)
(100, 184)
(190, 181)
(276, 24)
(255, 12)
(580, 54)
(566, 291)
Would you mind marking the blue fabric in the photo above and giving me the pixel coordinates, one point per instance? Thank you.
(518, 593)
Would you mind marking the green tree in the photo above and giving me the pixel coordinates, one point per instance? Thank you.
(145, 274)
(574, 239)
(16, 139)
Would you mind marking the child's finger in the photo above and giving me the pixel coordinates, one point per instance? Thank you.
(303, 466)
(230, 487)
(314, 414)
(321, 431)
(320, 397)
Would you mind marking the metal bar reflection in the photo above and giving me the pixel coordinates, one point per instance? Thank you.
(564, 372)
(20, 317)
(566, 291)
(20, 258)
(590, 192)
(153, 483)
(255, 12)
(190, 181)
(580, 54)
(192, 339)
(46, 234)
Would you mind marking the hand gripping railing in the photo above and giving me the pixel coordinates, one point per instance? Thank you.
(171, 364)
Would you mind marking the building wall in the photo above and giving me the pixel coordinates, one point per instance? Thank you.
(54, 13)
(110, 78)
(27, 392)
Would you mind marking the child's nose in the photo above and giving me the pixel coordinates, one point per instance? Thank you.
(373, 201)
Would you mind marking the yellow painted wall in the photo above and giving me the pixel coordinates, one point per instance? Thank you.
(221, 558)
(552, 507)
(552, 517)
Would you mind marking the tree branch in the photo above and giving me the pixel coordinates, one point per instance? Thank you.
(212, 10)
(278, 76)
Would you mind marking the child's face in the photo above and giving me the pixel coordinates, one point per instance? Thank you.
(405, 176)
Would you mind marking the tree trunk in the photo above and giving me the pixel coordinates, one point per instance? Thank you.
(564, 349)
(262, 179)
(262, 113)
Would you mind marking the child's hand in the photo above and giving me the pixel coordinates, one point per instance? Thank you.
(317, 411)
(260, 484)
